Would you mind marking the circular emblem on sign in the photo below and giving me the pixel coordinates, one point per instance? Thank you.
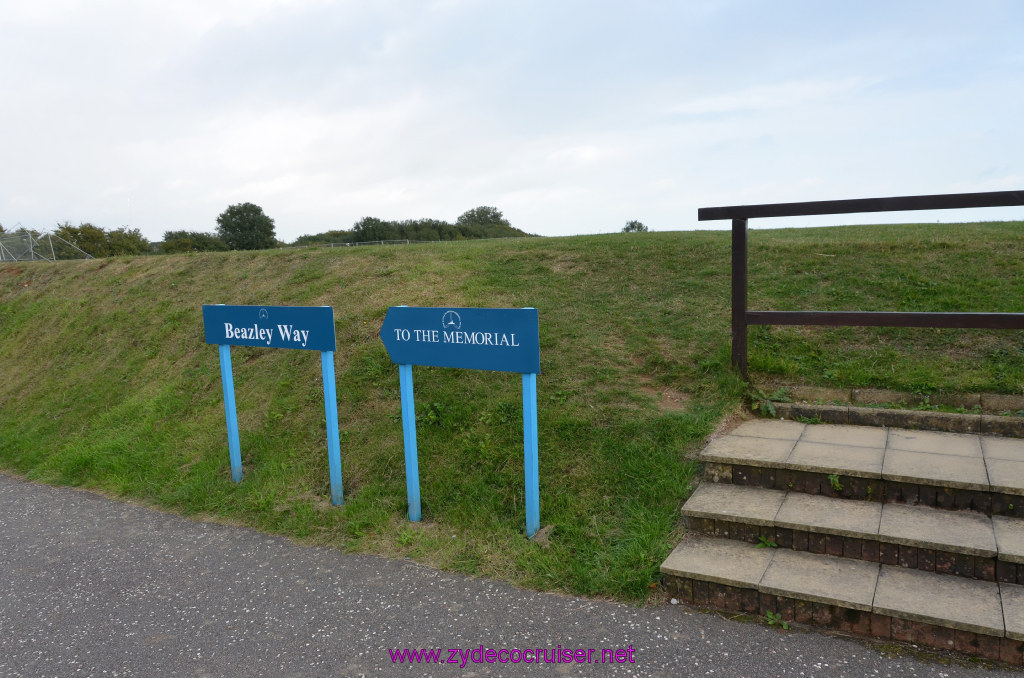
(263, 314)
(451, 320)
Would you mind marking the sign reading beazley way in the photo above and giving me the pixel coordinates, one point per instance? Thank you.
(500, 339)
(303, 327)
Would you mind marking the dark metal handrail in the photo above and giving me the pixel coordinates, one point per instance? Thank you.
(741, 317)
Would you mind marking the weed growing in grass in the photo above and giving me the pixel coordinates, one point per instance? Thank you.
(775, 619)
(808, 420)
(431, 415)
(406, 536)
(763, 402)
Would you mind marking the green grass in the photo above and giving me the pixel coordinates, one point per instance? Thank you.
(107, 383)
(919, 267)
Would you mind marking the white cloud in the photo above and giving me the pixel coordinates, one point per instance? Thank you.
(792, 94)
(569, 116)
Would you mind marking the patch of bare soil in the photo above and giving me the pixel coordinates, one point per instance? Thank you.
(669, 399)
(730, 422)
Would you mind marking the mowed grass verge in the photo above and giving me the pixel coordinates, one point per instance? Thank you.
(107, 383)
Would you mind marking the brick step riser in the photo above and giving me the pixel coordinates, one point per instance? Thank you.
(857, 622)
(868, 489)
(870, 550)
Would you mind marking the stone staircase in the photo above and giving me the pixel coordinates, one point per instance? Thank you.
(893, 534)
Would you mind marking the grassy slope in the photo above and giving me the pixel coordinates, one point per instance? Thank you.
(926, 267)
(107, 384)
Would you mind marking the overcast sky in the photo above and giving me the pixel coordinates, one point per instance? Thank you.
(570, 116)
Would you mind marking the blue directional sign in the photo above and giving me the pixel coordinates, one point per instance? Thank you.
(302, 327)
(499, 339)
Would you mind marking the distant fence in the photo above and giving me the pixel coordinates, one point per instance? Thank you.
(398, 242)
(741, 317)
(353, 244)
(28, 246)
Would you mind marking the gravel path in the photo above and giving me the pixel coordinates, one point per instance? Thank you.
(93, 587)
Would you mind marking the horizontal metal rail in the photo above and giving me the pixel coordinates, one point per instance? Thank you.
(995, 321)
(900, 204)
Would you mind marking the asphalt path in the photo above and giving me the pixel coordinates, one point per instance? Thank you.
(94, 587)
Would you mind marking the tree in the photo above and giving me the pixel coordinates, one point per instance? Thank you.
(482, 220)
(86, 237)
(126, 240)
(634, 226)
(246, 227)
(369, 229)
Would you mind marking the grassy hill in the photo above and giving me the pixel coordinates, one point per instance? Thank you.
(107, 383)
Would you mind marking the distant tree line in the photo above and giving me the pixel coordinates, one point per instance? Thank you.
(101, 243)
(246, 227)
(479, 222)
(130, 241)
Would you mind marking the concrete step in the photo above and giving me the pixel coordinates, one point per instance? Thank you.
(941, 470)
(933, 505)
(962, 543)
(864, 598)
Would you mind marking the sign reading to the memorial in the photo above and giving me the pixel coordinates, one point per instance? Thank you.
(302, 327)
(499, 339)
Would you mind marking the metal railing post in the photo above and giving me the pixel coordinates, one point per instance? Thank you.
(739, 295)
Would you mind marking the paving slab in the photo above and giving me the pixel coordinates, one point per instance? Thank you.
(995, 425)
(1002, 448)
(957, 444)
(770, 428)
(859, 436)
(734, 449)
(821, 579)
(940, 599)
(1009, 538)
(964, 532)
(828, 515)
(946, 469)
(864, 462)
(1013, 610)
(751, 505)
(723, 561)
(1006, 475)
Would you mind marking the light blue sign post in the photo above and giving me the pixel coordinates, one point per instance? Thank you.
(302, 327)
(499, 339)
